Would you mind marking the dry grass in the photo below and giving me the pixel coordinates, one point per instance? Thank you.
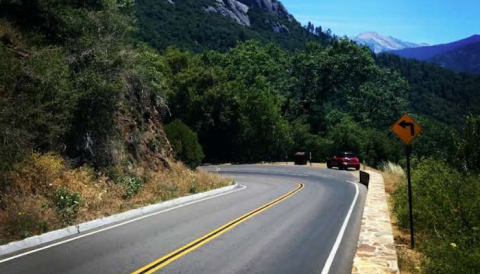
(409, 260)
(176, 182)
(29, 206)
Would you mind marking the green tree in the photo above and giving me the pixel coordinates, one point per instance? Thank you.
(233, 101)
(304, 140)
(37, 100)
(470, 149)
(326, 75)
(185, 143)
(347, 136)
(439, 141)
(379, 99)
(379, 147)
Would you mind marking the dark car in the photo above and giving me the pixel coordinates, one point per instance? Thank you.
(343, 160)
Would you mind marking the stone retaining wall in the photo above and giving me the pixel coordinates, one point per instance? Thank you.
(376, 252)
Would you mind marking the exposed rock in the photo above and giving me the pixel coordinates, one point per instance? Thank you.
(272, 6)
(171, 2)
(278, 28)
(238, 11)
(233, 9)
(141, 126)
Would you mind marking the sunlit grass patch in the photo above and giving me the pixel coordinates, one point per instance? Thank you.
(46, 194)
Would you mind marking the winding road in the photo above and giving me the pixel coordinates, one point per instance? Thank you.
(283, 219)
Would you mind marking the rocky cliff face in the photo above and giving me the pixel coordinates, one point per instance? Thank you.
(272, 6)
(141, 129)
(233, 9)
(238, 11)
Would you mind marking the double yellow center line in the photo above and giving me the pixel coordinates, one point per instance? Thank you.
(182, 251)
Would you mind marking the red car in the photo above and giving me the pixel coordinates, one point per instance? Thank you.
(343, 160)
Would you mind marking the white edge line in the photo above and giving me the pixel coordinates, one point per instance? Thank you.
(328, 263)
(242, 187)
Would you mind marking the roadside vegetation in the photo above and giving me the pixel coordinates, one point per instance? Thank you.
(446, 206)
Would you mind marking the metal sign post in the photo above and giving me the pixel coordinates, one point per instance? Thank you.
(410, 203)
(407, 130)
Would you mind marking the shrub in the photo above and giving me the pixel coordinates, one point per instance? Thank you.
(38, 174)
(131, 185)
(446, 207)
(24, 217)
(67, 204)
(193, 188)
(471, 150)
(185, 143)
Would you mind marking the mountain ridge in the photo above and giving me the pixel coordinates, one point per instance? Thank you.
(463, 59)
(425, 53)
(379, 43)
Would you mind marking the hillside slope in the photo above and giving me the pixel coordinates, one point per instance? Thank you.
(436, 92)
(218, 24)
(464, 59)
(76, 88)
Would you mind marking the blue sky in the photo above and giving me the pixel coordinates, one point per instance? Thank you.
(419, 21)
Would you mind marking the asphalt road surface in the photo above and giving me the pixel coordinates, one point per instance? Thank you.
(284, 219)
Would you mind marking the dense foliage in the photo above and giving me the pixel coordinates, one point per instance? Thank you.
(257, 102)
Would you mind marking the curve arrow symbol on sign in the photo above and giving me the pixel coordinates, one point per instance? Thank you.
(404, 124)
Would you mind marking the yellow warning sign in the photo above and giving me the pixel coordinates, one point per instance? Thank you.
(407, 129)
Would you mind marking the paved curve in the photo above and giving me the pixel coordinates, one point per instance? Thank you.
(296, 235)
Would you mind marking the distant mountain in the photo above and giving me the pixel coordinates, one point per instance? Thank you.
(425, 53)
(379, 43)
(464, 59)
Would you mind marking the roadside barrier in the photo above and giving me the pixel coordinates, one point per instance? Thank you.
(364, 178)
